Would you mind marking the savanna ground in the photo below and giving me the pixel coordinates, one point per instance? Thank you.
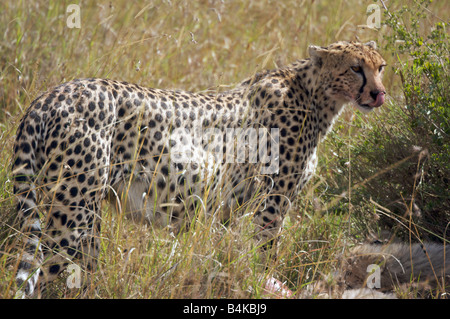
(381, 175)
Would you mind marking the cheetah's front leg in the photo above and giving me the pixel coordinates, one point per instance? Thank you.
(269, 222)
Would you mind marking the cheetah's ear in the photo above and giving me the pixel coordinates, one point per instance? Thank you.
(317, 54)
(315, 50)
(371, 44)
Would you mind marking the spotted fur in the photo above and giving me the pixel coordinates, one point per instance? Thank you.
(85, 139)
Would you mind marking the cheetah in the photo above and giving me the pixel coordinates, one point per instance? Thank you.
(162, 152)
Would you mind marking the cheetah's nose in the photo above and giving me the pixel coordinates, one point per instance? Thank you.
(378, 97)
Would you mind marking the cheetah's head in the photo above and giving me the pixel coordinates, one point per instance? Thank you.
(352, 73)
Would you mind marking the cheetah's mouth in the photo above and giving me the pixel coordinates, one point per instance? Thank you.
(367, 107)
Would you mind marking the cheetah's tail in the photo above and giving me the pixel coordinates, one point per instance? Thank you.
(23, 171)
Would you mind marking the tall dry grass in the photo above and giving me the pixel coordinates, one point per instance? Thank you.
(197, 46)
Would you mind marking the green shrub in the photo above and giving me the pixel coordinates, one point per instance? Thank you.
(402, 158)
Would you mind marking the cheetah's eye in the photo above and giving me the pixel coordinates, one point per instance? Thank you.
(356, 69)
(381, 69)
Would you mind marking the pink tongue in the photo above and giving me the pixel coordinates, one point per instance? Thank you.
(379, 101)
